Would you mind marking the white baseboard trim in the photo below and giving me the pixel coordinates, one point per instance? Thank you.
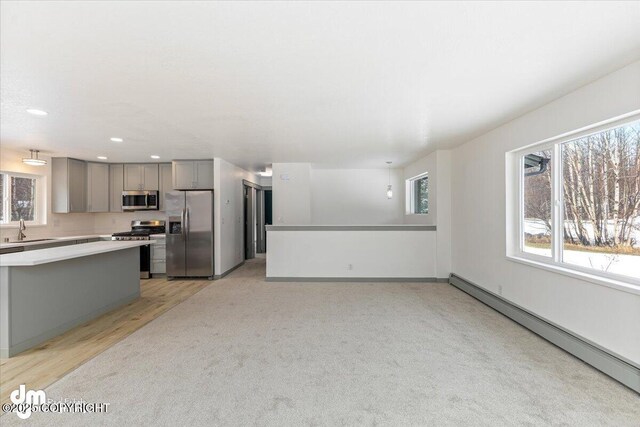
(220, 276)
(617, 367)
(359, 279)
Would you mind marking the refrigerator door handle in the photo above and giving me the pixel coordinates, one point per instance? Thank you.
(182, 222)
(186, 217)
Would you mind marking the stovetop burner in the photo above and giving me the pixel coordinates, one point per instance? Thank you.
(141, 230)
(133, 233)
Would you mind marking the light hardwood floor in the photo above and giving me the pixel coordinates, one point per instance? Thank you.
(39, 367)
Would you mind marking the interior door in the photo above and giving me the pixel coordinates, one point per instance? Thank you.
(261, 242)
(176, 234)
(249, 223)
(199, 227)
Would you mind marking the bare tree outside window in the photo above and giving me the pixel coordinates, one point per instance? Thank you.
(421, 195)
(23, 196)
(537, 203)
(601, 187)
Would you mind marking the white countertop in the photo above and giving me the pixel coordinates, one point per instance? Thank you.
(46, 240)
(44, 256)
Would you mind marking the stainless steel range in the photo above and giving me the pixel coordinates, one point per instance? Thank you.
(131, 235)
(142, 230)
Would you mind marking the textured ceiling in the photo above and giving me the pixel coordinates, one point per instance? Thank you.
(343, 84)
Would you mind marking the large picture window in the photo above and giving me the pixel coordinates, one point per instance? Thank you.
(580, 202)
(20, 198)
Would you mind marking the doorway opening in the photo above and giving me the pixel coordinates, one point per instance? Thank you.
(257, 215)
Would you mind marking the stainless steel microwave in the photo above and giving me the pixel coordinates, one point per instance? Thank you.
(140, 201)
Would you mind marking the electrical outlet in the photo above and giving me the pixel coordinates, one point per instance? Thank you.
(499, 289)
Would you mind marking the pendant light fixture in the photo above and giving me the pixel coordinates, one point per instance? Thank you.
(34, 161)
(389, 189)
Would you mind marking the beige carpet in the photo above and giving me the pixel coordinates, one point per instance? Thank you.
(245, 352)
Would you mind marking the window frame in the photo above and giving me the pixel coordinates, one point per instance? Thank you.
(515, 241)
(411, 190)
(40, 200)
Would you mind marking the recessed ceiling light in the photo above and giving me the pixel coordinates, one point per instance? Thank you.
(153, 156)
(117, 139)
(102, 157)
(36, 112)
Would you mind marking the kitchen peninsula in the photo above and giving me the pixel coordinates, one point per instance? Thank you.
(46, 292)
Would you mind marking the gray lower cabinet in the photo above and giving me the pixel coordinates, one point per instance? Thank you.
(142, 176)
(159, 255)
(68, 185)
(97, 187)
(166, 182)
(192, 174)
(116, 186)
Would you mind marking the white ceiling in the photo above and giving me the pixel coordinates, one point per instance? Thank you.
(344, 84)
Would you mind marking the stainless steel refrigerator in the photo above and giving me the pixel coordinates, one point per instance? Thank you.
(189, 233)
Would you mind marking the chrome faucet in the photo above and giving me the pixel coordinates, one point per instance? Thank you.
(21, 228)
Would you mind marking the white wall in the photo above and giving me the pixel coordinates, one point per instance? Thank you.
(356, 196)
(291, 193)
(443, 203)
(265, 181)
(606, 316)
(57, 224)
(229, 214)
(108, 223)
(335, 196)
(438, 167)
(345, 253)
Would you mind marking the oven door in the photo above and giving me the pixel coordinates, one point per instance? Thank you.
(139, 200)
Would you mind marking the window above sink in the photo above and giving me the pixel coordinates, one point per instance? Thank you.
(22, 196)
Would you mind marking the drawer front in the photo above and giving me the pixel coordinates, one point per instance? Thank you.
(159, 253)
(158, 267)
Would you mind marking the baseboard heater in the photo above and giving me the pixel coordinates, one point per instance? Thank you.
(618, 368)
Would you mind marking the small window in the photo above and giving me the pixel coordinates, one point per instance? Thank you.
(419, 195)
(21, 197)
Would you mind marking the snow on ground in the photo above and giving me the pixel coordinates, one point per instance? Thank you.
(627, 265)
(536, 226)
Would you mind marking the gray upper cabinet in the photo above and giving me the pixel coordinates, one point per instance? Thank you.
(141, 176)
(166, 182)
(193, 174)
(68, 185)
(150, 174)
(97, 187)
(116, 186)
